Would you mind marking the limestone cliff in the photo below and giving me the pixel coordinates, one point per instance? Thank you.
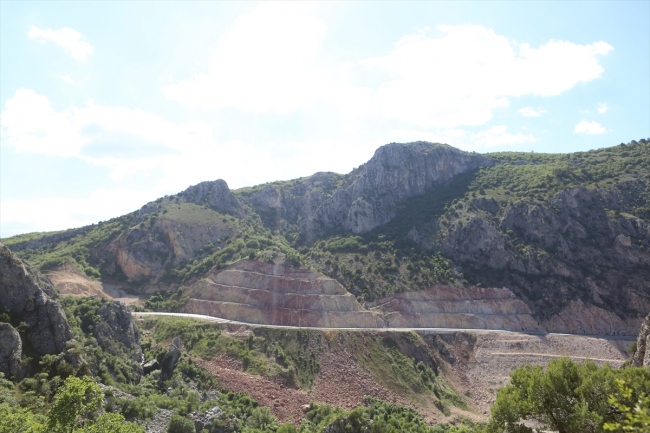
(27, 295)
(570, 257)
(369, 196)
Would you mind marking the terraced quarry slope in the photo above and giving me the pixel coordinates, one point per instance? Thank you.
(277, 294)
(456, 307)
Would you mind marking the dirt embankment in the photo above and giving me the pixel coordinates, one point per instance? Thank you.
(482, 362)
(474, 364)
(71, 281)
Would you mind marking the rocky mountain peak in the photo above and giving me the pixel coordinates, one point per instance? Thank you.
(394, 174)
(214, 193)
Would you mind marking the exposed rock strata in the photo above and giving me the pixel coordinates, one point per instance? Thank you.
(24, 293)
(145, 252)
(454, 307)
(277, 294)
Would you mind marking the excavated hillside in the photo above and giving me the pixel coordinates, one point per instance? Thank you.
(421, 235)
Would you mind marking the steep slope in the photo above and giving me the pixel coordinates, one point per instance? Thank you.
(27, 297)
(567, 235)
(277, 293)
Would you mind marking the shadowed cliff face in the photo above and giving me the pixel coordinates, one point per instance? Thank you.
(26, 294)
(568, 253)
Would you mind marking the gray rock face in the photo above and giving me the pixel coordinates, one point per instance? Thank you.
(116, 332)
(204, 420)
(24, 292)
(569, 248)
(216, 194)
(171, 358)
(395, 173)
(11, 349)
(368, 196)
(641, 357)
(268, 203)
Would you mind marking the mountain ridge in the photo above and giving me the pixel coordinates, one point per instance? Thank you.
(568, 234)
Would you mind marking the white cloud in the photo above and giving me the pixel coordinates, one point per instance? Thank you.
(461, 77)
(68, 79)
(590, 128)
(602, 108)
(21, 216)
(531, 112)
(496, 136)
(66, 38)
(130, 142)
(270, 61)
(265, 62)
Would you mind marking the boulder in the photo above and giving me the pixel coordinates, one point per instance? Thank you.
(170, 359)
(11, 349)
(150, 366)
(203, 420)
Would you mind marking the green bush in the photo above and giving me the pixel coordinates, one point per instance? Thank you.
(179, 424)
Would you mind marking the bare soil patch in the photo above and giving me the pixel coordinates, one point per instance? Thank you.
(284, 402)
(495, 355)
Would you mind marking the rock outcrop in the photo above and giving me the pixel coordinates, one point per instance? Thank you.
(277, 294)
(171, 358)
(455, 307)
(216, 194)
(205, 420)
(394, 174)
(116, 332)
(570, 258)
(641, 357)
(11, 350)
(145, 252)
(369, 196)
(26, 294)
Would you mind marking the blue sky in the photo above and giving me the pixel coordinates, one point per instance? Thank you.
(107, 105)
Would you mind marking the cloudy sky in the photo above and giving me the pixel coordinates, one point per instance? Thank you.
(107, 105)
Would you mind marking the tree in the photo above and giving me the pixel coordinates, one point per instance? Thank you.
(567, 397)
(111, 423)
(16, 419)
(76, 407)
(77, 400)
(636, 411)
